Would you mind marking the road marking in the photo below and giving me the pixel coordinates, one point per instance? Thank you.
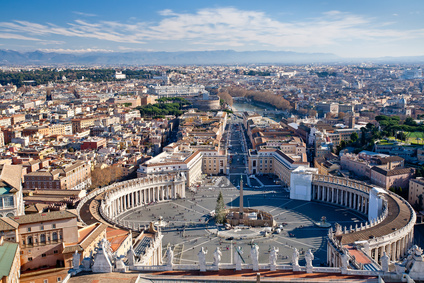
(190, 209)
(199, 206)
(289, 210)
(280, 206)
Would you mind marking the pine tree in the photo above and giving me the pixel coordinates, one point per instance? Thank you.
(219, 209)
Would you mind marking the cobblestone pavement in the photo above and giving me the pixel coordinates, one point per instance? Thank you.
(189, 227)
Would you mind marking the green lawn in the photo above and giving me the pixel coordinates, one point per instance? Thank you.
(415, 137)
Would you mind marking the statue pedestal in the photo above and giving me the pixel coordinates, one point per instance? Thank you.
(273, 267)
(309, 269)
(168, 267)
(296, 267)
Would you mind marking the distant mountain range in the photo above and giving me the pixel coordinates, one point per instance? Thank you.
(219, 57)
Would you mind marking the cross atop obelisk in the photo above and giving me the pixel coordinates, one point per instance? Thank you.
(241, 198)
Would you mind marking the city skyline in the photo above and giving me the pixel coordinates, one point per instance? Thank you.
(348, 29)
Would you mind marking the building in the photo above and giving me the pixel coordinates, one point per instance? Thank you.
(391, 178)
(11, 199)
(275, 161)
(93, 143)
(120, 240)
(71, 176)
(82, 123)
(120, 76)
(174, 160)
(176, 90)
(42, 237)
(10, 266)
(324, 108)
(416, 191)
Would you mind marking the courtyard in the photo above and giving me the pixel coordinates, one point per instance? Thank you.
(190, 227)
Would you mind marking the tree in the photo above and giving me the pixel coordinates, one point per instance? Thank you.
(219, 209)
(354, 137)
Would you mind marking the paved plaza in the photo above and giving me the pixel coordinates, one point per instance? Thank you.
(189, 226)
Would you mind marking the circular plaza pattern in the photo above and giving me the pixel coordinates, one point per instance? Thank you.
(190, 227)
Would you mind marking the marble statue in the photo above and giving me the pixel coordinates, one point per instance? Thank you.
(385, 262)
(131, 256)
(102, 262)
(273, 255)
(75, 260)
(254, 254)
(309, 257)
(120, 265)
(237, 257)
(217, 256)
(202, 259)
(295, 257)
(169, 257)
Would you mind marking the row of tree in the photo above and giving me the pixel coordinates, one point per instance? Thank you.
(267, 97)
(106, 176)
(45, 75)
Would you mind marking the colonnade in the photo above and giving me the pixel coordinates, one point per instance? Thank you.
(355, 196)
(394, 250)
(351, 198)
(124, 198)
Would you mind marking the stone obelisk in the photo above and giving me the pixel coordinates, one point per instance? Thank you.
(241, 201)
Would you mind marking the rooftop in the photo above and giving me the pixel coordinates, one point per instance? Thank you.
(397, 218)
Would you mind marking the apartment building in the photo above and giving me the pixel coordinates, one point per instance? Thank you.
(214, 162)
(82, 123)
(275, 161)
(391, 178)
(94, 143)
(416, 191)
(71, 176)
(42, 237)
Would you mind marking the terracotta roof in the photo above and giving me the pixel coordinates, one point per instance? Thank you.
(394, 172)
(116, 237)
(7, 224)
(12, 175)
(49, 216)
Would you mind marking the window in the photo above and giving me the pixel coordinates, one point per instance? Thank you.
(46, 281)
(42, 228)
(8, 201)
(55, 251)
(43, 255)
(59, 279)
(30, 259)
(29, 230)
(29, 240)
(43, 238)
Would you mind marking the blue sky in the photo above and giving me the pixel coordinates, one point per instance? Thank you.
(344, 27)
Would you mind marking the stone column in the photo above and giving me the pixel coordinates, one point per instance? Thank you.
(393, 254)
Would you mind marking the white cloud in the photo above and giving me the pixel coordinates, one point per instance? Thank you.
(72, 51)
(222, 27)
(84, 14)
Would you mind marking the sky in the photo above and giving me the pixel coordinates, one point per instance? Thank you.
(347, 28)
